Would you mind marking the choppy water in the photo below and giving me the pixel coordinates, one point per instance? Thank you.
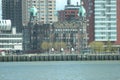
(60, 70)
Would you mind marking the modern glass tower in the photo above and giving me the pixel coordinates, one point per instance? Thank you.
(105, 20)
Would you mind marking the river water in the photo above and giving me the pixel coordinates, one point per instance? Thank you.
(60, 70)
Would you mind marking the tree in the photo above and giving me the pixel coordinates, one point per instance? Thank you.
(108, 46)
(59, 45)
(51, 45)
(97, 46)
(45, 45)
(63, 44)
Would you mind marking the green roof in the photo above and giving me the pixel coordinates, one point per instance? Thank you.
(33, 10)
(82, 11)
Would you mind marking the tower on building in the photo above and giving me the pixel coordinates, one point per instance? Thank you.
(68, 2)
(33, 13)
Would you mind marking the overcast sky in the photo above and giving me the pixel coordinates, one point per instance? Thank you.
(59, 4)
(0, 9)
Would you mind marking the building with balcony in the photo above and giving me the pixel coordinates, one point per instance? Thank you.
(104, 20)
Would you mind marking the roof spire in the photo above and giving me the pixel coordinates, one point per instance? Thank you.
(68, 2)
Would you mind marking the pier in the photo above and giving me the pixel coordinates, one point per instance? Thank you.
(59, 57)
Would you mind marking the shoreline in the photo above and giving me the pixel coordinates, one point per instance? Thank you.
(59, 57)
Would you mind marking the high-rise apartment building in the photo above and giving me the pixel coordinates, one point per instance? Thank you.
(18, 11)
(104, 20)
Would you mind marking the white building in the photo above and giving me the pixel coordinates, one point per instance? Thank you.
(5, 25)
(105, 20)
(9, 39)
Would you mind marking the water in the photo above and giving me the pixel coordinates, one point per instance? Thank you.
(61, 70)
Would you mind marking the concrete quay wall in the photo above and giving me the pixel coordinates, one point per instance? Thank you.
(59, 57)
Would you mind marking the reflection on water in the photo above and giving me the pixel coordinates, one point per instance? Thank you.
(60, 70)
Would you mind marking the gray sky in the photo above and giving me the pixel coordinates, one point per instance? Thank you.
(59, 4)
(0, 9)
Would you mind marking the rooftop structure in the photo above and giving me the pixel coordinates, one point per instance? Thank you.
(5, 25)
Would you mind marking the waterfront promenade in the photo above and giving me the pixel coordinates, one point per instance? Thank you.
(58, 57)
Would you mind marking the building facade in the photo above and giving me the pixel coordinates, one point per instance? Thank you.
(70, 12)
(72, 33)
(72, 27)
(18, 11)
(103, 20)
(9, 39)
(34, 36)
(89, 6)
(66, 15)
